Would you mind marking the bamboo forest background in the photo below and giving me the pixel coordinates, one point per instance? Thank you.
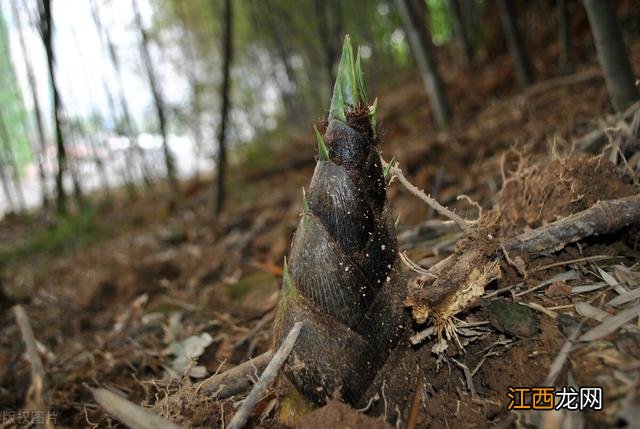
(104, 94)
(282, 71)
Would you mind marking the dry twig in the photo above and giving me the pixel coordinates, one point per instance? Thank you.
(267, 377)
(129, 413)
(611, 323)
(236, 380)
(37, 390)
(563, 355)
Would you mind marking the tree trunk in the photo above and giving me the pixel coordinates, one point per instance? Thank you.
(227, 47)
(564, 29)
(81, 131)
(10, 161)
(46, 30)
(461, 31)
(188, 49)
(265, 21)
(39, 150)
(6, 187)
(76, 181)
(509, 20)
(127, 170)
(158, 101)
(612, 53)
(136, 153)
(196, 129)
(99, 162)
(424, 54)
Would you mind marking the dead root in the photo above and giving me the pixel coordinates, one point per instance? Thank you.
(462, 283)
(465, 225)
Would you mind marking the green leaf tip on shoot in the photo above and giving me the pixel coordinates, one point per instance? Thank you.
(372, 115)
(349, 87)
(387, 169)
(397, 222)
(359, 78)
(322, 147)
(305, 202)
(288, 286)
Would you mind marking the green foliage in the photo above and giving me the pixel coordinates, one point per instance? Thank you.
(288, 286)
(322, 147)
(439, 21)
(71, 232)
(277, 46)
(11, 102)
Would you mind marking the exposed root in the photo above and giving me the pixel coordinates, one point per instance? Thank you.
(474, 204)
(415, 267)
(465, 225)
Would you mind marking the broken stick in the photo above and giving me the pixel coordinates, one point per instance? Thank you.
(36, 394)
(37, 370)
(237, 379)
(129, 413)
(231, 382)
(603, 217)
(267, 377)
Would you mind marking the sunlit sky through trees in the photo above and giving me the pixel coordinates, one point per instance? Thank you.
(281, 74)
(83, 62)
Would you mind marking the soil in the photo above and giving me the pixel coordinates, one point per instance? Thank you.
(110, 312)
(538, 194)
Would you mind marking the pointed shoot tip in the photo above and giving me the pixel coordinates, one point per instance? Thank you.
(322, 147)
(348, 90)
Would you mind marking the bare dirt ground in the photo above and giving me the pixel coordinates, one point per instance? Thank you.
(124, 311)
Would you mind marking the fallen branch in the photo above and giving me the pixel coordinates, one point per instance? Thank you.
(37, 390)
(226, 384)
(603, 217)
(129, 413)
(462, 277)
(237, 379)
(267, 377)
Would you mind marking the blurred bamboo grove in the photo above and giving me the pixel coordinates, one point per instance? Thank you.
(99, 94)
